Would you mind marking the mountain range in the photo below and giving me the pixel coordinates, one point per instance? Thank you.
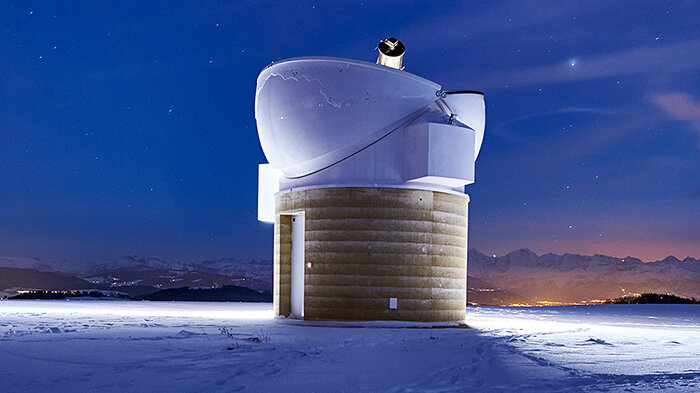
(572, 278)
(520, 277)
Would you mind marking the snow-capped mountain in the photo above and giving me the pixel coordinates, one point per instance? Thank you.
(259, 269)
(256, 269)
(132, 274)
(27, 263)
(578, 278)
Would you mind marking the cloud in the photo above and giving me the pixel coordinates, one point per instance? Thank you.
(503, 129)
(569, 149)
(680, 106)
(573, 109)
(652, 59)
(504, 17)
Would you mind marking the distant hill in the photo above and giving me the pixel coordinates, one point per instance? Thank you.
(157, 272)
(653, 298)
(30, 263)
(164, 279)
(479, 292)
(259, 269)
(228, 293)
(13, 279)
(55, 295)
(34, 279)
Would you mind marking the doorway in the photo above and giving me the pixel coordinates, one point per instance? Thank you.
(297, 279)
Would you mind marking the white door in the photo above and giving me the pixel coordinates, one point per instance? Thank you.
(297, 266)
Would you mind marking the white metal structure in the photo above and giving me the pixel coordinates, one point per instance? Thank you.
(330, 122)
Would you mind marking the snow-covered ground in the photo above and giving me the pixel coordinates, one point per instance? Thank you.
(81, 345)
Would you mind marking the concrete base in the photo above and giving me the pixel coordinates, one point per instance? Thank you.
(364, 246)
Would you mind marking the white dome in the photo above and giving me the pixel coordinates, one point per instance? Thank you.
(313, 112)
(470, 109)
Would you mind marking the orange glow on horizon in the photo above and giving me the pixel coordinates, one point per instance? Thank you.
(648, 250)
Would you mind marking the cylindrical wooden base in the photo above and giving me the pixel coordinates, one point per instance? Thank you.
(364, 246)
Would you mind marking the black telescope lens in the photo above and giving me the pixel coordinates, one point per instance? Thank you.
(392, 47)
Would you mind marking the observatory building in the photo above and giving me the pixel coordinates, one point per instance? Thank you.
(365, 186)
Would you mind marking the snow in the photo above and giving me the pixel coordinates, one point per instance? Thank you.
(83, 345)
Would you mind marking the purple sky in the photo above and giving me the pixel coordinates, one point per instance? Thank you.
(128, 127)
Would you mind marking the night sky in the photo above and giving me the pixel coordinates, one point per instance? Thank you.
(128, 127)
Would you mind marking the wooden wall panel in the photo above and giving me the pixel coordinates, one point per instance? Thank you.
(366, 245)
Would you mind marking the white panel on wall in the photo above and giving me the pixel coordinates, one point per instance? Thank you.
(268, 186)
(439, 154)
